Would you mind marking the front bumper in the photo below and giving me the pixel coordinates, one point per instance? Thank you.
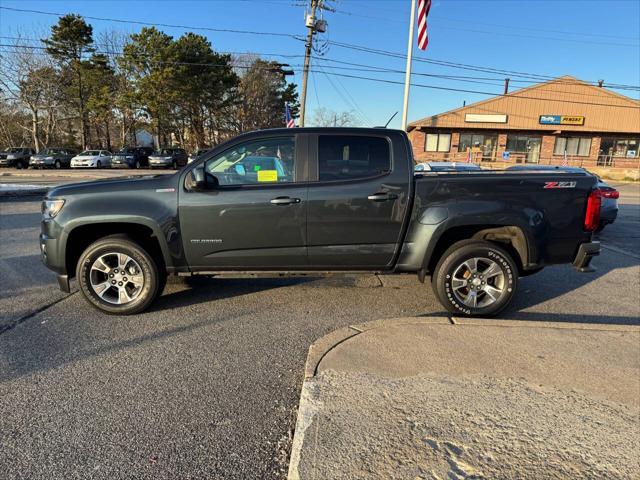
(585, 254)
(42, 163)
(160, 163)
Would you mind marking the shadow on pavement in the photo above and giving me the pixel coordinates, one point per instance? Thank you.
(208, 289)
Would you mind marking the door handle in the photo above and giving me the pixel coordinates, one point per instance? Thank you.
(382, 197)
(284, 200)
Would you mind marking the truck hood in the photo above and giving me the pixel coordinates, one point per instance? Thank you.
(112, 185)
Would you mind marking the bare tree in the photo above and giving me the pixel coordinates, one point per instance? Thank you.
(29, 79)
(323, 117)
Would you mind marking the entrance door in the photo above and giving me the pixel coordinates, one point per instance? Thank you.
(256, 216)
(357, 203)
(533, 150)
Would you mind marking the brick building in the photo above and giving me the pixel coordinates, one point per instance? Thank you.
(537, 124)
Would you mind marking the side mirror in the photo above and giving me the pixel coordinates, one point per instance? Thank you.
(199, 180)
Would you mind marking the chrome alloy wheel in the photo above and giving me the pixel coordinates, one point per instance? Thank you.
(478, 282)
(116, 278)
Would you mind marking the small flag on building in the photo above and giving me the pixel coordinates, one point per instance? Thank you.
(423, 10)
(469, 155)
(287, 117)
(565, 160)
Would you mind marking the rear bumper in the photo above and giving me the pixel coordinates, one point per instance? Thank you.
(585, 254)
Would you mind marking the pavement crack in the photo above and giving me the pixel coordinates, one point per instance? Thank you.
(11, 325)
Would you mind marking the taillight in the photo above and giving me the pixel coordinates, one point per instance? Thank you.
(592, 216)
(615, 194)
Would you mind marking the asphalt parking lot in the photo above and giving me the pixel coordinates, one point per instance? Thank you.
(206, 384)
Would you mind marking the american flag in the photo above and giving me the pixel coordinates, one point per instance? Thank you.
(565, 160)
(423, 10)
(287, 117)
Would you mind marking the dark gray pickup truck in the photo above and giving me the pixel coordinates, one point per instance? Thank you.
(314, 200)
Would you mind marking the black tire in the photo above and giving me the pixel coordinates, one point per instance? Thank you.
(19, 165)
(452, 263)
(154, 280)
(57, 164)
(601, 227)
(98, 164)
(174, 165)
(137, 165)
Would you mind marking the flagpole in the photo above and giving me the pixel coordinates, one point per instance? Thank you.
(407, 75)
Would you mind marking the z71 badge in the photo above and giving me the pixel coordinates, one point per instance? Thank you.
(559, 184)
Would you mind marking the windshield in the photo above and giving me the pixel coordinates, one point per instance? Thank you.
(90, 153)
(48, 151)
(165, 152)
(15, 150)
(126, 151)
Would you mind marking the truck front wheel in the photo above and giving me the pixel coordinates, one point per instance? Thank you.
(117, 276)
(475, 278)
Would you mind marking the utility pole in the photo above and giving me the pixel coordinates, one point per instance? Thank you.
(311, 25)
(407, 75)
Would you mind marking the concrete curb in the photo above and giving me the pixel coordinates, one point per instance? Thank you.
(309, 395)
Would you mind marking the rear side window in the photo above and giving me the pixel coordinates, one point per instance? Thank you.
(345, 157)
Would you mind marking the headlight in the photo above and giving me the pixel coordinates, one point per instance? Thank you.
(48, 158)
(51, 208)
(129, 157)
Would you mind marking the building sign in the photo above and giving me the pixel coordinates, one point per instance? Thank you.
(561, 120)
(485, 118)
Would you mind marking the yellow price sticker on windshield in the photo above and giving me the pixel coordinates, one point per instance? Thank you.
(267, 175)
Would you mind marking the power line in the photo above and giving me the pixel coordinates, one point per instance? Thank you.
(508, 95)
(464, 66)
(493, 81)
(371, 79)
(443, 63)
(505, 33)
(155, 24)
(362, 117)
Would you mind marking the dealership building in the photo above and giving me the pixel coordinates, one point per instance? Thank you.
(543, 123)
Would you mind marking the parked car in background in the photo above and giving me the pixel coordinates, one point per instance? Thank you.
(168, 158)
(16, 157)
(446, 167)
(92, 159)
(131, 157)
(197, 154)
(608, 195)
(52, 158)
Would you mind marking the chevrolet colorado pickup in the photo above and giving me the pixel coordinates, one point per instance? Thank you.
(318, 200)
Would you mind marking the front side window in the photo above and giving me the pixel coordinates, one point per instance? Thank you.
(578, 146)
(346, 157)
(437, 142)
(264, 161)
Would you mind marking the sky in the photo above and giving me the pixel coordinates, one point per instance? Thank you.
(590, 40)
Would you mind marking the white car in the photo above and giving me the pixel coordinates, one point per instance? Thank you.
(92, 159)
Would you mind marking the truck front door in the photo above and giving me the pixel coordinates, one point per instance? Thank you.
(358, 199)
(256, 216)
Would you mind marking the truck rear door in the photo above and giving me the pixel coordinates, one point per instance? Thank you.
(358, 199)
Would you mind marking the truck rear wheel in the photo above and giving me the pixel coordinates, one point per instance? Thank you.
(475, 278)
(117, 276)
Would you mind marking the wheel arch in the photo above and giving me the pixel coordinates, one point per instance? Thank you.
(510, 237)
(84, 234)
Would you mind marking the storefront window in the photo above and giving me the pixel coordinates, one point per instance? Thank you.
(580, 146)
(478, 142)
(620, 147)
(437, 142)
(520, 143)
